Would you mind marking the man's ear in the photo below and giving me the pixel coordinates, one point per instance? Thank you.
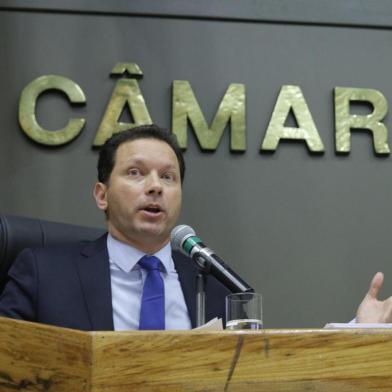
(100, 195)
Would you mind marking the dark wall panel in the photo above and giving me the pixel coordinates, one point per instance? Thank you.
(307, 231)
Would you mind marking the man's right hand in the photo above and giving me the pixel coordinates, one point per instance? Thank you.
(372, 310)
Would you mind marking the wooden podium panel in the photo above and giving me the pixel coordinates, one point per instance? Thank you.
(272, 360)
(36, 357)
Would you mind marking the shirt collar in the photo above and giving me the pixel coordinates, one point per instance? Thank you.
(126, 256)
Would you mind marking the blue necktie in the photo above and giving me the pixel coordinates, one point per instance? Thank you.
(152, 311)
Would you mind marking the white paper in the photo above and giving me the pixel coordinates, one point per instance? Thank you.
(356, 325)
(213, 325)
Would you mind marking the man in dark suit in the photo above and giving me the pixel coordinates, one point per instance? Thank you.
(101, 285)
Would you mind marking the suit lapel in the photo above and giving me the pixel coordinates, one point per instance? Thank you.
(187, 272)
(94, 272)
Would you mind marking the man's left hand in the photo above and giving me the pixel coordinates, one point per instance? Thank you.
(372, 310)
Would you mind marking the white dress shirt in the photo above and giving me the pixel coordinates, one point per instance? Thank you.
(127, 280)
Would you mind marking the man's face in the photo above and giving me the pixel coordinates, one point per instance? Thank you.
(143, 195)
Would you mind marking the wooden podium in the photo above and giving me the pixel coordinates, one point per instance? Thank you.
(35, 357)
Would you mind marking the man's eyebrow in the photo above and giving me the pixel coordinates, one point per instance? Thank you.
(140, 161)
(134, 160)
(170, 166)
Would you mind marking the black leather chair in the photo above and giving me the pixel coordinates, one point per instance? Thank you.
(18, 233)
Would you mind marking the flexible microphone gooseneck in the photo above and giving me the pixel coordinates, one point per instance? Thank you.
(184, 239)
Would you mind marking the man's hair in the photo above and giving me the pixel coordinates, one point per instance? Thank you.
(107, 154)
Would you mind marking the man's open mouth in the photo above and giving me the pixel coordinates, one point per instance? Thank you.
(153, 209)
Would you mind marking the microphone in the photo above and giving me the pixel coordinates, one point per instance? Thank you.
(184, 239)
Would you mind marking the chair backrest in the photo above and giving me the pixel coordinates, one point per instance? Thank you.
(18, 233)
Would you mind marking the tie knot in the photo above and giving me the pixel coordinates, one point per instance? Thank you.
(150, 263)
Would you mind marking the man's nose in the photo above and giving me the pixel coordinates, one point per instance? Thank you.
(154, 185)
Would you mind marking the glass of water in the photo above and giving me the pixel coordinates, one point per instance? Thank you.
(244, 311)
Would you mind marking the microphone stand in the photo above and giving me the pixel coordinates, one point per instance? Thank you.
(204, 266)
(201, 281)
(201, 299)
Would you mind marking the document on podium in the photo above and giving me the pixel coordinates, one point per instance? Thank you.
(357, 325)
(213, 325)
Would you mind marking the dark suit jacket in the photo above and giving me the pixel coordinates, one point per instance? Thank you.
(69, 286)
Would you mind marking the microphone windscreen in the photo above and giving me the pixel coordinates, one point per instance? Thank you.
(179, 234)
